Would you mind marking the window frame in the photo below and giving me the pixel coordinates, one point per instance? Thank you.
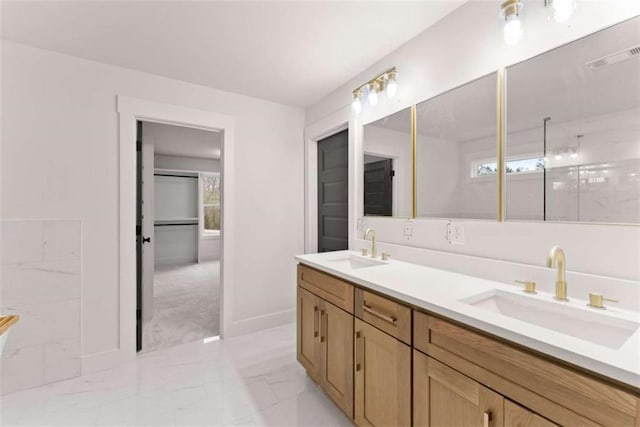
(529, 156)
(206, 234)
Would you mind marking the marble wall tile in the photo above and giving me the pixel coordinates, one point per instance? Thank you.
(21, 241)
(40, 279)
(44, 323)
(61, 240)
(43, 282)
(22, 368)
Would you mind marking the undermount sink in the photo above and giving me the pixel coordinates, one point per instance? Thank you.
(586, 324)
(354, 261)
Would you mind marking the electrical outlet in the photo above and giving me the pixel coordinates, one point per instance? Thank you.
(455, 233)
(408, 229)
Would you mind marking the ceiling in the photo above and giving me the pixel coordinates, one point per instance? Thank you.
(181, 141)
(292, 52)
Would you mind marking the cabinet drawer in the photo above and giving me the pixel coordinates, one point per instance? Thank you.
(561, 394)
(329, 288)
(385, 314)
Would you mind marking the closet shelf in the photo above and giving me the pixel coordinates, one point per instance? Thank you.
(176, 221)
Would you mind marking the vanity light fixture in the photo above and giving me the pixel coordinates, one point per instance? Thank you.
(511, 18)
(356, 104)
(386, 82)
(392, 85)
(560, 10)
(373, 93)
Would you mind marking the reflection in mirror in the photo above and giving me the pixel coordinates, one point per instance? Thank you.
(573, 117)
(388, 166)
(456, 161)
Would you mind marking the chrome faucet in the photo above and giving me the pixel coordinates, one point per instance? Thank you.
(374, 250)
(556, 258)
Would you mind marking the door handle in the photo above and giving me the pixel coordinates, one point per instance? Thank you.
(322, 337)
(358, 352)
(370, 310)
(146, 240)
(486, 418)
(315, 321)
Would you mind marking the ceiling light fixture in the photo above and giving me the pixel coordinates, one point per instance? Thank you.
(511, 18)
(560, 10)
(386, 82)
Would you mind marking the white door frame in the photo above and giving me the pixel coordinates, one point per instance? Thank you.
(323, 128)
(131, 110)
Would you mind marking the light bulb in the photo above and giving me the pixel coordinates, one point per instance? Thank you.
(563, 10)
(373, 95)
(392, 86)
(512, 30)
(356, 105)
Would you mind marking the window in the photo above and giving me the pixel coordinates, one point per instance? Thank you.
(514, 165)
(211, 203)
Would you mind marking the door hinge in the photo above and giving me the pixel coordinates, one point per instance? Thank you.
(392, 173)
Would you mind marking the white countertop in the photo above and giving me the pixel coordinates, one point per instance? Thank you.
(440, 292)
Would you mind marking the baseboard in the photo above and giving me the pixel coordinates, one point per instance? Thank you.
(104, 360)
(259, 323)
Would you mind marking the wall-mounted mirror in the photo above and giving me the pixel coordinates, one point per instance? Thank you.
(388, 166)
(456, 152)
(573, 131)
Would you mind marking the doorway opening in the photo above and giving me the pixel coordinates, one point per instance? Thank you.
(178, 235)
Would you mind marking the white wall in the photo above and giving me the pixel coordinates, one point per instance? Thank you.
(60, 119)
(426, 67)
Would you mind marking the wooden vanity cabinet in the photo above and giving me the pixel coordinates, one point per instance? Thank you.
(550, 391)
(445, 397)
(517, 416)
(382, 378)
(382, 361)
(325, 336)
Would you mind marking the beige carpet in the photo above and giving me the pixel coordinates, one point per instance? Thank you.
(186, 305)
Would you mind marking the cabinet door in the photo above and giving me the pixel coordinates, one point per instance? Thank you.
(336, 337)
(383, 378)
(445, 397)
(308, 342)
(517, 416)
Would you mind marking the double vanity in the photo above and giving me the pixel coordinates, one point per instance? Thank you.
(398, 344)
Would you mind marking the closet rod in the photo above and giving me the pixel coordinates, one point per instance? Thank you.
(175, 176)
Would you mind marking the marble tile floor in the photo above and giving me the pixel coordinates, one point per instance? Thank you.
(252, 380)
(186, 305)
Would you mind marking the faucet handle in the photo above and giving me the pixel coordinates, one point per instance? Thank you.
(529, 286)
(597, 300)
(364, 251)
(385, 256)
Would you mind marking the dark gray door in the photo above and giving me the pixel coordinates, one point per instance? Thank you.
(333, 192)
(378, 178)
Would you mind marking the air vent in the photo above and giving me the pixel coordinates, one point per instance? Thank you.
(613, 58)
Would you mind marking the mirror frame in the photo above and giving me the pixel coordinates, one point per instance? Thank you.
(501, 77)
